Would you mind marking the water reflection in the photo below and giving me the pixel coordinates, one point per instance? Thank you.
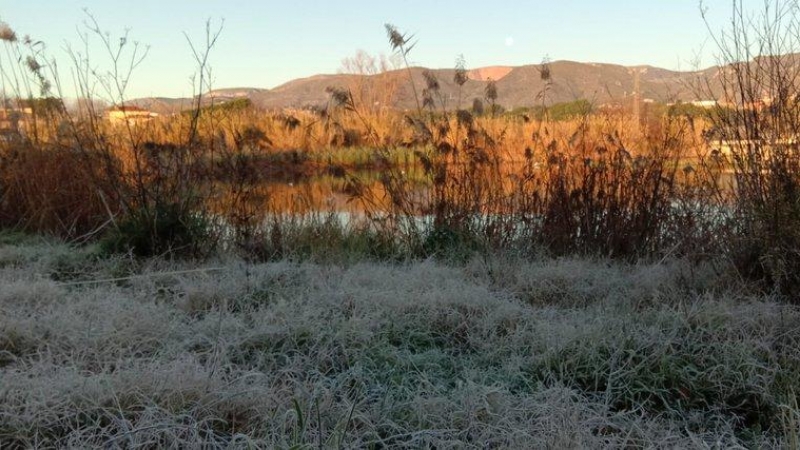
(501, 189)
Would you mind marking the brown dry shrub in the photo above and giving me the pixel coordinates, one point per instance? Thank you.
(52, 190)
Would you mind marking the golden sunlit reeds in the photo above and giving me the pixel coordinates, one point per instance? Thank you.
(561, 179)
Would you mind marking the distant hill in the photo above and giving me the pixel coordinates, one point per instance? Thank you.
(162, 105)
(235, 92)
(517, 86)
(487, 73)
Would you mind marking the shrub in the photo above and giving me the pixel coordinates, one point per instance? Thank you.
(53, 190)
(759, 127)
(558, 111)
(165, 230)
(451, 243)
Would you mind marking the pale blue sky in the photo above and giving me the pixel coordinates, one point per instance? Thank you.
(266, 43)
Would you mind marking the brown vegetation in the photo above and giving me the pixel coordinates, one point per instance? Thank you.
(667, 318)
(439, 178)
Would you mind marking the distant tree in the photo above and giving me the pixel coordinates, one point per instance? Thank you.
(687, 110)
(46, 106)
(570, 110)
(375, 86)
(498, 110)
(231, 106)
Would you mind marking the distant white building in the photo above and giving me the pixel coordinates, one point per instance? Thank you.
(10, 117)
(130, 114)
(705, 103)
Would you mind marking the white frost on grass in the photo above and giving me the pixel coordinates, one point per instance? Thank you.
(494, 354)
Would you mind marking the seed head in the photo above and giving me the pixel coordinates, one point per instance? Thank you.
(460, 77)
(32, 64)
(491, 91)
(6, 33)
(528, 153)
(464, 118)
(431, 82)
(340, 97)
(544, 70)
(396, 39)
(427, 99)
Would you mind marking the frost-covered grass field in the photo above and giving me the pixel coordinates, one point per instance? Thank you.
(494, 353)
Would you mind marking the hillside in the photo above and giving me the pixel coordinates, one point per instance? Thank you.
(517, 86)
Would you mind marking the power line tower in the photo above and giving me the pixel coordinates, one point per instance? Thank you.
(637, 93)
(637, 96)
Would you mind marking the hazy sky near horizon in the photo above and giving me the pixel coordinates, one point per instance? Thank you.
(266, 43)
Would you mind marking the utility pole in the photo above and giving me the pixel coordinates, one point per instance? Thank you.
(637, 97)
(637, 94)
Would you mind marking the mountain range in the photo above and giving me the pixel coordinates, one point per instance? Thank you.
(516, 87)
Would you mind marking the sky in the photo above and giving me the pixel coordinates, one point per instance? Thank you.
(266, 43)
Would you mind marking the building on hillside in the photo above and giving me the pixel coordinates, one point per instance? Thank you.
(131, 114)
(13, 120)
(708, 104)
